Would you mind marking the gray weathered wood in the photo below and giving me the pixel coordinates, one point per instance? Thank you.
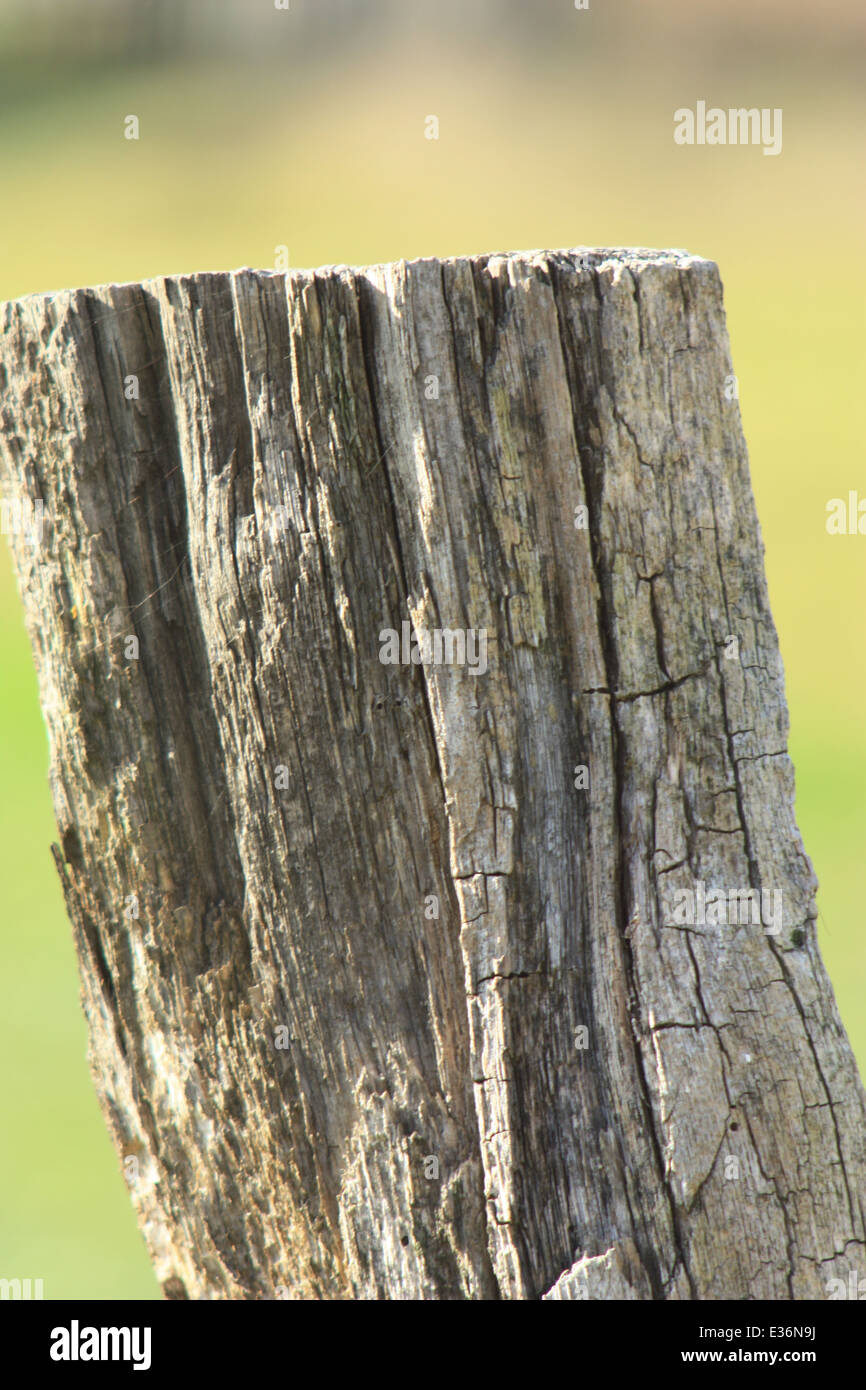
(381, 1003)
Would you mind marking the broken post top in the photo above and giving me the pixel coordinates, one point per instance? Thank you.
(631, 258)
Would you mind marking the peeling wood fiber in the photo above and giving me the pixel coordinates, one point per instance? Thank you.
(386, 1002)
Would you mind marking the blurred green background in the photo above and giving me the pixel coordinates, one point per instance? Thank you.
(305, 128)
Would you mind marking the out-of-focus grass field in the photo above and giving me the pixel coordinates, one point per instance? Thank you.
(539, 151)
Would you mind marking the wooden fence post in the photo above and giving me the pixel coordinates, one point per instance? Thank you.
(418, 749)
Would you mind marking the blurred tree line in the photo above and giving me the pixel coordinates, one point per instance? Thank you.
(157, 30)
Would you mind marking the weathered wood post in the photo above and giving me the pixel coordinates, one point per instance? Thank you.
(418, 747)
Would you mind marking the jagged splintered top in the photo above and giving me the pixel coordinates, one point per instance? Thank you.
(590, 257)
